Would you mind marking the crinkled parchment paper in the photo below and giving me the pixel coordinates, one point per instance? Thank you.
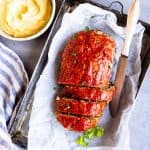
(45, 131)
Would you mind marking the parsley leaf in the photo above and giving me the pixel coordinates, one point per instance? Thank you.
(92, 17)
(90, 134)
(95, 132)
(99, 132)
(87, 28)
(81, 141)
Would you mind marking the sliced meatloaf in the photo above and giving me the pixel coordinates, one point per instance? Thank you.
(88, 93)
(77, 123)
(79, 107)
(87, 60)
(85, 73)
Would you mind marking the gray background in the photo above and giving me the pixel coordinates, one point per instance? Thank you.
(145, 7)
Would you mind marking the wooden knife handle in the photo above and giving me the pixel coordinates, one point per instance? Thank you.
(119, 81)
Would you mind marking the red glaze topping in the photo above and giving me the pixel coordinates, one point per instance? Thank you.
(80, 107)
(77, 123)
(86, 60)
(88, 93)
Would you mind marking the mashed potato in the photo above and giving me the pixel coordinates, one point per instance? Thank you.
(23, 18)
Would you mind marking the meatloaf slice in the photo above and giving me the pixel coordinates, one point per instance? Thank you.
(87, 93)
(79, 107)
(77, 123)
(87, 60)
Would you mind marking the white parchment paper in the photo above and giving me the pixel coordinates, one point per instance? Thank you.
(45, 132)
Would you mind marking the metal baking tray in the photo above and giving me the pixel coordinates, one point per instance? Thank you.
(18, 124)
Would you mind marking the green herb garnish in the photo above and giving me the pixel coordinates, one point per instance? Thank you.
(81, 141)
(90, 134)
(99, 132)
(96, 132)
(92, 17)
(87, 28)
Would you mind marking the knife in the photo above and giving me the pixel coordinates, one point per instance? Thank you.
(133, 15)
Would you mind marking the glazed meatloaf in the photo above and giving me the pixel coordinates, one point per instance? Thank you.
(79, 107)
(88, 93)
(85, 74)
(87, 60)
(77, 123)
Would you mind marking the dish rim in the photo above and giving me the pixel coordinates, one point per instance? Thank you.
(36, 35)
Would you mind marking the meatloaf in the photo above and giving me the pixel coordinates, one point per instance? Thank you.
(87, 60)
(79, 107)
(88, 93)
(77, 123)
(85, 72)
